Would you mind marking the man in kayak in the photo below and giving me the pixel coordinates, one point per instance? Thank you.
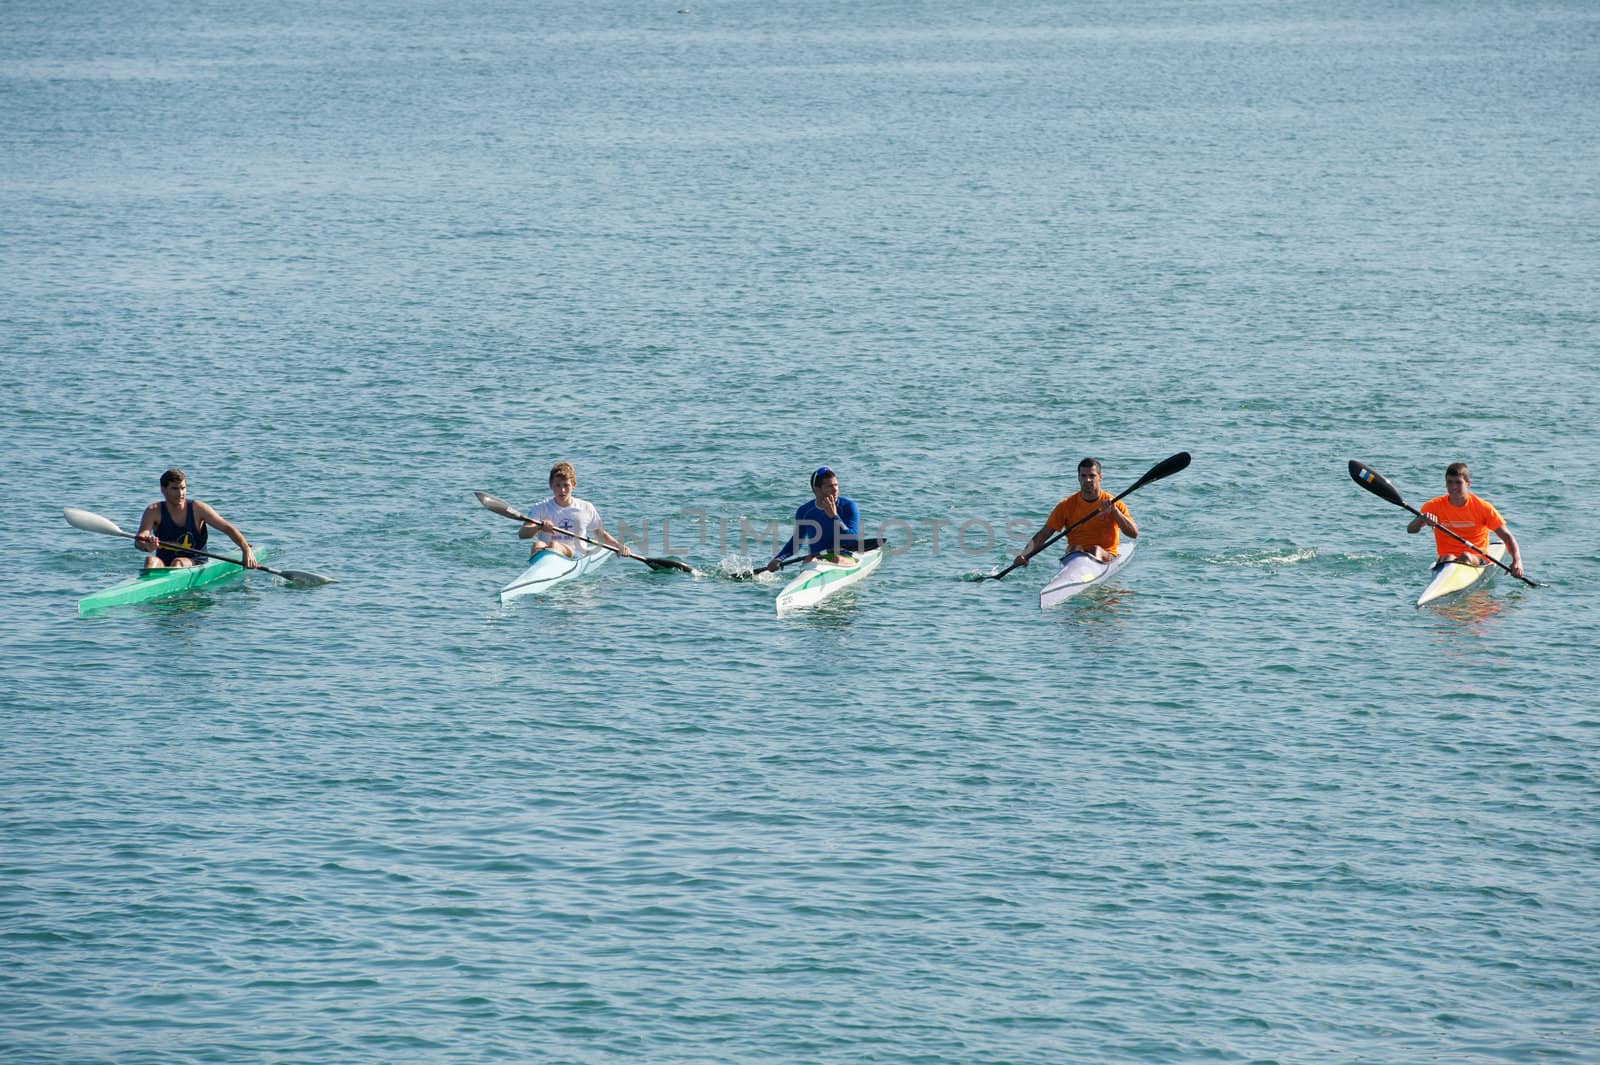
(1469, 517)
(825, 525)
(183, 522)
(559, 518)
(1099, 536)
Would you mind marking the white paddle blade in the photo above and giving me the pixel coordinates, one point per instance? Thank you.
(498, 505)
(299, 578)
(89, 521)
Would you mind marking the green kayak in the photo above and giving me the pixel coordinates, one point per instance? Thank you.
(152, 584)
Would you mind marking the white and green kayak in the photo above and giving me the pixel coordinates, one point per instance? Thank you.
(165, 582)
(1452, 578)
(822, 577)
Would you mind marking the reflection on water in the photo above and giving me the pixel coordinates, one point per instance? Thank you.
(1475, 609)
(1095, 608)
(179, 614)
(184, 617)
(838, 611)
(1258, 558)
(565, 607)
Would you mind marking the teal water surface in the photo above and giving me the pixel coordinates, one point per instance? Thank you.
(347, 263)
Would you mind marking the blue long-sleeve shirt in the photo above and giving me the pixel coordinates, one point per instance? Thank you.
(815, 532)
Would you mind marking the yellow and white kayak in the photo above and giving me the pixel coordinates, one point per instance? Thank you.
(1451, 578)
(822, 577)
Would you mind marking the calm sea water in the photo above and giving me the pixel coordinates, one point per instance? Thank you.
(346, 263)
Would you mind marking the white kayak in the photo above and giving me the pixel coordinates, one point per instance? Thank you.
(1452, 577)
(1079, 572)
(820, 578)
(547, 569)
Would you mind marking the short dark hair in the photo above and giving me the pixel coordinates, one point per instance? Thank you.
(822, 471)
(1093, 464)
(173, 476)
(1458, 469)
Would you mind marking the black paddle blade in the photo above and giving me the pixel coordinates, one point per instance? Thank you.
(1164, 468)
(1376, 483)
(667, 563)
(753, 573)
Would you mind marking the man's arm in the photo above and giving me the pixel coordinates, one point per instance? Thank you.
(1123, 519)
(610, 541)
(788, 545)
(1034, 544)
(208, 514)
(1504, 532)
(850, 517)
(146, 538)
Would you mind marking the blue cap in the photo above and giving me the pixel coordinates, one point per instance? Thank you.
(822, 471)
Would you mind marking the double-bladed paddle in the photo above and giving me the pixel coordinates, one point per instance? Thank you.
(89, 521)
(1379, 485)
(506, 510)
(1164, 468)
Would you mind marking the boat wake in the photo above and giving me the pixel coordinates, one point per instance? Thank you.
(741, 568)
(1264, 557)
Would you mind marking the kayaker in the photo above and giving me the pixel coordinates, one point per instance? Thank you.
(176, 519)
(1098, 537)
(1469, 517)
(565, 513)
(823, 525)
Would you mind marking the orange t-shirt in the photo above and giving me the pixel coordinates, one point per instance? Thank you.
(1474, 521)
(1098, 531)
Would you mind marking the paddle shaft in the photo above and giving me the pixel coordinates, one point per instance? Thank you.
(163, 546)
(534, 521)
(1165, 468)
(1057, 536)
(869, 544)
(506, 510)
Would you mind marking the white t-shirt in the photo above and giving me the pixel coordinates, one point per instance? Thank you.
(580, 518)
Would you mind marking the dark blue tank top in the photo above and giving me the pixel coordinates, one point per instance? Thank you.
(189, 534)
